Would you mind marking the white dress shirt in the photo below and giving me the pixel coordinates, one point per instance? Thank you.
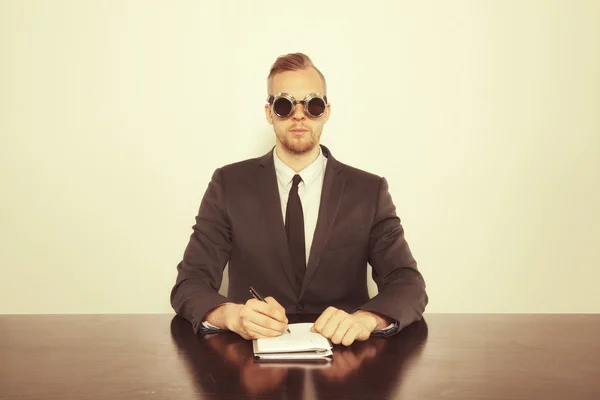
(309, 191)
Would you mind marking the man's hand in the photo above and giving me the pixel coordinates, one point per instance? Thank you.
(255, 319)
(344, 328)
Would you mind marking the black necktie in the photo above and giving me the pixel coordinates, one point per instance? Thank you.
(294, 227)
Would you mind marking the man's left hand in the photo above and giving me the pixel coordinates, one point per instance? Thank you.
(344, 328)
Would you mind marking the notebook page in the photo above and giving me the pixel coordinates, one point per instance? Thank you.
(300, 339)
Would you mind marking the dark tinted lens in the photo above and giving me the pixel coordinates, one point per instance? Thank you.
(282, 107)
(316, 107)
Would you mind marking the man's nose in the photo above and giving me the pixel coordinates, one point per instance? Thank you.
(298, 112)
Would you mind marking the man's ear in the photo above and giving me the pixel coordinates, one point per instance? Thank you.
(268, 114)
(328, 112)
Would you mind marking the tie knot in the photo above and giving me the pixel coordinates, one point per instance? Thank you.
(296, 180)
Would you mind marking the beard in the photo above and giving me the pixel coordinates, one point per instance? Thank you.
(298, 144)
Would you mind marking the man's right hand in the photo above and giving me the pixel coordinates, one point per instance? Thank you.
(252, 320)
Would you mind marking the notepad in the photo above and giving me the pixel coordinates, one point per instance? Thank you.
(300, 344)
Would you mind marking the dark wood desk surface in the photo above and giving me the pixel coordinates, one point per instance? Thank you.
(158, 357)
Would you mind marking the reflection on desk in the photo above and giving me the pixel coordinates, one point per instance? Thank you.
(223, 364)
(446, 356)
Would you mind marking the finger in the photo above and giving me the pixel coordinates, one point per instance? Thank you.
(323, 318)
(267, 309)
(256, 331)
(341, 330)
(350, 335)
(270, 300)
(266, 321)
(249, 313)
(333, 323)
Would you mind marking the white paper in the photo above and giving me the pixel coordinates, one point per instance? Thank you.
(301, 343)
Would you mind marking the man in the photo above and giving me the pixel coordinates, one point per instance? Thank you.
(299, 227)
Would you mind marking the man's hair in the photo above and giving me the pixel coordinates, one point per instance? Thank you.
(292, 62)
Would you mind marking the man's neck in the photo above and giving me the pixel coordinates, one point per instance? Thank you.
(297, 162)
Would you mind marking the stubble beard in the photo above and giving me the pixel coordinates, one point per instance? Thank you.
(298, 145)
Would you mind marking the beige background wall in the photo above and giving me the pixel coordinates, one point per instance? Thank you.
(483, 115)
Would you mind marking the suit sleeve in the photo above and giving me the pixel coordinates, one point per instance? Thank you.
(200, 273)
(401, 286)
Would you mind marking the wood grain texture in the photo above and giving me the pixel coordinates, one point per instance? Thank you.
(159, 357)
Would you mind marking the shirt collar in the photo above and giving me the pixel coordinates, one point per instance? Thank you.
(308, 174)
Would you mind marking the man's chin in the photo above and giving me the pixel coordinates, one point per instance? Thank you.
(298, 147)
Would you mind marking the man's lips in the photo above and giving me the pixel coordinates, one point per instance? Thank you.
(298, 130)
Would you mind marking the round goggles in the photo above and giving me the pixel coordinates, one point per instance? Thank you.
(284, 104)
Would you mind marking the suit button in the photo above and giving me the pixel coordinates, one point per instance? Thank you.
(300, 307)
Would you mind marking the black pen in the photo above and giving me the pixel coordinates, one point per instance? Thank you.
(257, 296)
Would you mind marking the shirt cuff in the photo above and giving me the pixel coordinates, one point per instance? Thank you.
(207, 327)
(389, 330)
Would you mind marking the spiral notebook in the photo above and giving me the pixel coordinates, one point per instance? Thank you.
(300, 344)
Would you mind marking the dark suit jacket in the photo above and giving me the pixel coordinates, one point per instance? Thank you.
(240, 221)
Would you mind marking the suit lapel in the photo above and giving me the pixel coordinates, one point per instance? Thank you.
(272, 217)
(333, 187)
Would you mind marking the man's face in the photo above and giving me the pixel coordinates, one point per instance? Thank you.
(298, 133)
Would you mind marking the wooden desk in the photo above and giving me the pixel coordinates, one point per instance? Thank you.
(158, 357)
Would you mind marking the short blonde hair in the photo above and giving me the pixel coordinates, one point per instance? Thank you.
(292, 62)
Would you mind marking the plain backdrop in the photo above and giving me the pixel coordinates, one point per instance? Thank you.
(484, 116)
